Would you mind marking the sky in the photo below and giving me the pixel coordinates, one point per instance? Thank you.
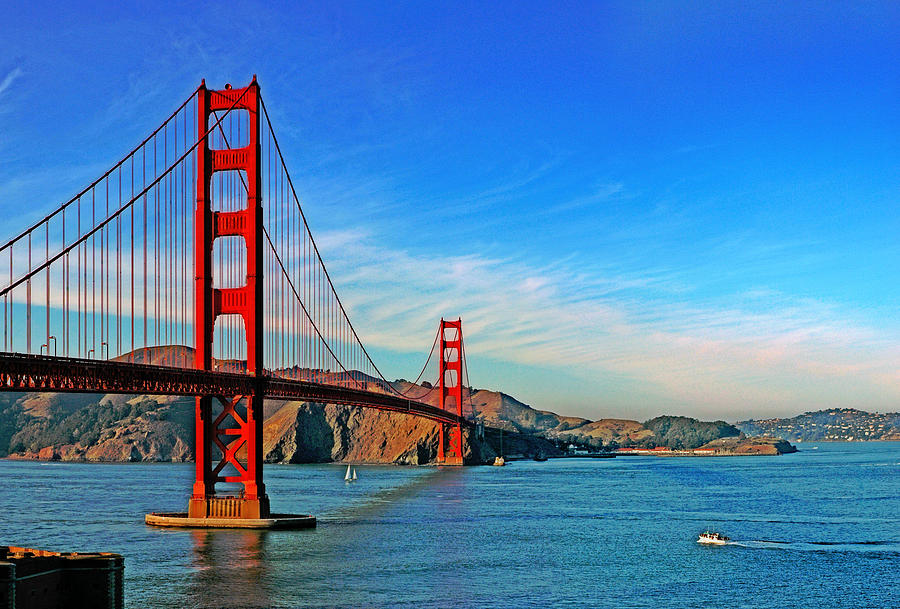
(637, 208)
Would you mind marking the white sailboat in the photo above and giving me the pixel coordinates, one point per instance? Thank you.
(348, 477)
(354, 474)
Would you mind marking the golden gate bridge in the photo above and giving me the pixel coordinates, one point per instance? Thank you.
(197, 237)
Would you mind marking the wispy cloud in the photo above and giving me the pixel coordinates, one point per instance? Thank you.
(602, 192)
(523, 180)
(755, 353)
(31, 194)
(5, 84)
(9, 79)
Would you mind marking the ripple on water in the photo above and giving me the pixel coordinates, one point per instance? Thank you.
(618, 532)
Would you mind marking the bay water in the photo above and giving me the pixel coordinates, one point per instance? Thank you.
(819, 528)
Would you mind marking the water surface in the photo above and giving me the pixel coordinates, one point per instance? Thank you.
(820, 528)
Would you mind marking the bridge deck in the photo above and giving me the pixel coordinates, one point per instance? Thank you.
(20, 372)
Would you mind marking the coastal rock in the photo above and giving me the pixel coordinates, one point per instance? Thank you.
(112, 450)
(48, 453)
(300, 432)
(759, 445)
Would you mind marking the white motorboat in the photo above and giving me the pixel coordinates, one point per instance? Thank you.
(711, 537)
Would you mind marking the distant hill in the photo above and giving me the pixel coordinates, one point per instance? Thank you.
(835, 424)
(505, 412)
(684, 432)
(607, 433)
(97, 427)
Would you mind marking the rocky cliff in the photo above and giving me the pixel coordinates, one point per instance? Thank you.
(153, 428)
(758, 445)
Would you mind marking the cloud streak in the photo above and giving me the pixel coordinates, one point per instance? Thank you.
(9, 79)
(754, 353)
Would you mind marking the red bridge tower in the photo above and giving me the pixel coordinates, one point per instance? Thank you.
(237, 429)
(450, 380)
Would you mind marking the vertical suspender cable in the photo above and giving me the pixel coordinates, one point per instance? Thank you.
(28, 300)
(65, 318)
(78, 282)
(174, 263)
(47, 257)
(155, 249)
(164, 246)
(144, 241)
(93, 276)
(103, 270)
(119, 272)
(131, 267)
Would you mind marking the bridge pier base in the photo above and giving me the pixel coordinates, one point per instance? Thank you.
(273, 521)
(227, 512)
(228, 507)
(454, 455)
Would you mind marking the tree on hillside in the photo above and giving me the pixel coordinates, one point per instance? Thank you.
(682, 433)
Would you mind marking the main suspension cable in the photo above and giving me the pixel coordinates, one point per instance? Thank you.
(303, 306)
(425, 367)
(115, 215)
(115, 167)
(290, 183)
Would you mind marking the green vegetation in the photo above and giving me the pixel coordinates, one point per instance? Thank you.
(682, 433)
(20, 432)
(11, 420)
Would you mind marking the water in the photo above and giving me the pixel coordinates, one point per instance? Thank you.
(820, 528)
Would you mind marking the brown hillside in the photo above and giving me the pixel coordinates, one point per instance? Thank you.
(607, 431)
(506, 412)
(161, 428)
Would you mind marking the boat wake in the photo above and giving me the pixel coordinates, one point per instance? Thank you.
(821, 546)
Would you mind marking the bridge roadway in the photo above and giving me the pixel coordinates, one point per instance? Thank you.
(20, 372)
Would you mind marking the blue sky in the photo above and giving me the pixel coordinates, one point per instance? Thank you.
(636, 208)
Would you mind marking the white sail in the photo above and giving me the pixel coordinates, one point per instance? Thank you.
(354, 474)
(347, 477)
